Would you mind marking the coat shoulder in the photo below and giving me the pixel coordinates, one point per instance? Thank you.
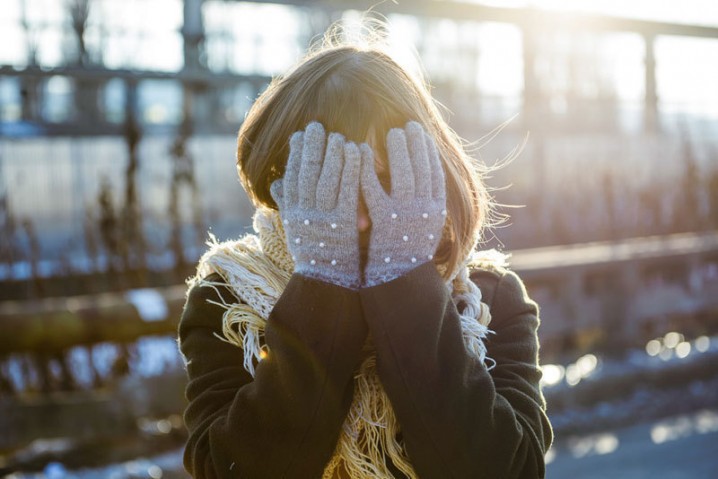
(500, 286)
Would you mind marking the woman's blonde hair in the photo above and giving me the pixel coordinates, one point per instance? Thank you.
(360, 90)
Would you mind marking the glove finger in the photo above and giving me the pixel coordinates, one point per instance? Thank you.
(374, 194)
(349, 191)
(277, 192)
(331, 175)
(312, 156)
(291, 173)
(438, 180)
(419, 155)
(402, 178)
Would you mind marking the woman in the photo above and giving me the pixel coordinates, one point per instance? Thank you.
(350, 337)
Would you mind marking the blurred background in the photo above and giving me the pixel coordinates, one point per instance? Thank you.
(117, 136)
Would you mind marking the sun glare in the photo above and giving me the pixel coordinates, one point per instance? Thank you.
(697, 12)
(485, 57)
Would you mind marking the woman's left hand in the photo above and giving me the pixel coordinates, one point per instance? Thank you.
(407, 223)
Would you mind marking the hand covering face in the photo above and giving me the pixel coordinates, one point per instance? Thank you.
(318, 201)
(408, 222)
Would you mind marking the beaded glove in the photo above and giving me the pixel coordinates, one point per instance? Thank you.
(318, 200)
(407, 223)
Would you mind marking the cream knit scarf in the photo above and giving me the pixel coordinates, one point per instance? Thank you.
(258, 267)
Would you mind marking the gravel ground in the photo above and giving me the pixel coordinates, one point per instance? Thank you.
(652, 419)
(679, 447)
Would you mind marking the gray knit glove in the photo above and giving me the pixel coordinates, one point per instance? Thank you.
(407, 224)
(318, 200)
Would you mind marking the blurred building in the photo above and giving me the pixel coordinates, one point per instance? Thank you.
(118, 119)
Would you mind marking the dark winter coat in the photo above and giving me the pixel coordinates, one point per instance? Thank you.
(458, 419)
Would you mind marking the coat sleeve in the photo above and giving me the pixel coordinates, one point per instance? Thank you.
(458, 419)
(284, 422)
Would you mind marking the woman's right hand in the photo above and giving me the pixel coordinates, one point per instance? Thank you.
(318, 200)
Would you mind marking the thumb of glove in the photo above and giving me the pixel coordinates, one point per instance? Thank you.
(277, 192)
